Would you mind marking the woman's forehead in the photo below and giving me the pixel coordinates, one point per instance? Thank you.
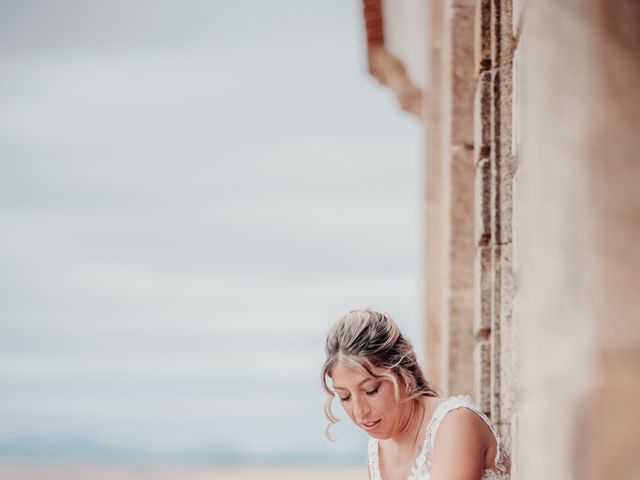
(343, 374)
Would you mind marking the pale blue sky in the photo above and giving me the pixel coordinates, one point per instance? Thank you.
(190, 194)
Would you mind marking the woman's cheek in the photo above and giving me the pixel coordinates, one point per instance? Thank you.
(348, 410)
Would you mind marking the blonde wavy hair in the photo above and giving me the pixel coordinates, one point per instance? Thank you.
(371, 342)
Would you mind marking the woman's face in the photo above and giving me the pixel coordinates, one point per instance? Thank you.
(369, 402)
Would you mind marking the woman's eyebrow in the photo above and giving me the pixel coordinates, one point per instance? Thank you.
(336, 387)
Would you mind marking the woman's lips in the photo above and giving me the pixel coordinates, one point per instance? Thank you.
(368, 426)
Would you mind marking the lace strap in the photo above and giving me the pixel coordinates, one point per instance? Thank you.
(452, 403)
(374, 468)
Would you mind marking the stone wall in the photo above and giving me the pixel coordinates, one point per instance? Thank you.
(470, 157)
(579, 197)
(532, 217)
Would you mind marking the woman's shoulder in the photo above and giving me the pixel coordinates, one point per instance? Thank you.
(463, 427)
(461, 418)
(460, 413)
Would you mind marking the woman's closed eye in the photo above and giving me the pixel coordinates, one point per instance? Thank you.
(373, 391)
(370, 393)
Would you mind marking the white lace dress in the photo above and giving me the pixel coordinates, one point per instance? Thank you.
(421, 470)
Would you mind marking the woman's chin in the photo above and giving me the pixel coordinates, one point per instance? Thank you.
(379, 434)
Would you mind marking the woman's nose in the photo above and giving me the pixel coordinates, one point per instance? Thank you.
(360, 408)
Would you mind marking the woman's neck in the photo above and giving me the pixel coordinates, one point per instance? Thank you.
(411, 426)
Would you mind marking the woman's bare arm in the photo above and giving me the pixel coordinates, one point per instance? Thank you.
(460, 447)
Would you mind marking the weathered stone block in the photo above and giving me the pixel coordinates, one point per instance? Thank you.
(482, 113)
(503, 163)
(483, 35)
(461, 218)
(503, 375)
(482, 203)
(505, 201)
(461, 41)
(515, 222)
(516, 103)
(482, 367)
(434, 267)
(495, 338)
(501, 32)
(460, 342)
(514, 387)
(503, 109)
(504, 270)
(482, 293)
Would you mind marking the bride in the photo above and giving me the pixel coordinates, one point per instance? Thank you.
(415, 435)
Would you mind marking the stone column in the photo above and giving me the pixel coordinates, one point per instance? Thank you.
(579, 184)
(434, 201)
(458, 175)
(495, 164)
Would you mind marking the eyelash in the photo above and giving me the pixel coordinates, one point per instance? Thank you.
(370, 393)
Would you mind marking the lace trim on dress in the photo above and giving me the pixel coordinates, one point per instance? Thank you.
(374, 469)
(422, 465)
